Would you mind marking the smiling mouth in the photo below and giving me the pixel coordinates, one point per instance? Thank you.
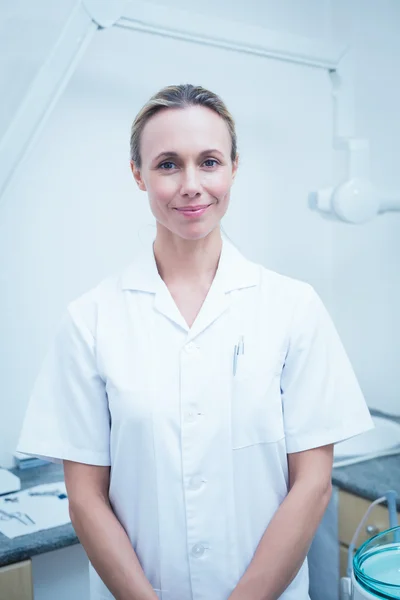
(193, 208)
(192, 212)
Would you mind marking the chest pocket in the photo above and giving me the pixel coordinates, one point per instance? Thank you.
(256, 406)
(256, 409)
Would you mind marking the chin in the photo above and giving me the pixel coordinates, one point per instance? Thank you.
(189, 231)
(198, 232)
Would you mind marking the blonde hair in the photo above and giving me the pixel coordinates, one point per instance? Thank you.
(179, 96)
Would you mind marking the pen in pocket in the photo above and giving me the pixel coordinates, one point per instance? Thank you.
(238, 350)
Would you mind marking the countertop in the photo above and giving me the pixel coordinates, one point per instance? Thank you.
(26, 546)
(369, 480)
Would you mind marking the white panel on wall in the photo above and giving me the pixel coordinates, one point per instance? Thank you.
(73, 215)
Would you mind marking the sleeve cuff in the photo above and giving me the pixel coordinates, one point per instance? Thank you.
(58, 455)
(323, 438)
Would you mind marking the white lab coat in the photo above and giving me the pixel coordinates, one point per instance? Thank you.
(198, 455)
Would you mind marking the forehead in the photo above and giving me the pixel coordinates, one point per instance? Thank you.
(185, 130)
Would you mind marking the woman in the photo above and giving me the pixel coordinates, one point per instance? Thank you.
(195, 398)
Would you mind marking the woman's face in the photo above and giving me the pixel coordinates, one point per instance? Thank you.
(186, 169)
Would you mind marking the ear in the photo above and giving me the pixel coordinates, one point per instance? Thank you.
(235, 166)
(137, 177)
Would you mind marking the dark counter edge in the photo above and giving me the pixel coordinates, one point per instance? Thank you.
(59, 537)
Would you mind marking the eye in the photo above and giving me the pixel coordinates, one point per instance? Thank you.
(167, 166)
(210, 160)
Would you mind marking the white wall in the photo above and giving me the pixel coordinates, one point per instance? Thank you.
(366, 275)
(73, 215)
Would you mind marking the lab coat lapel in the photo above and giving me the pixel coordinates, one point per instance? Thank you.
(234, 272)
(165, 304)
(215, 304)
(142, 276)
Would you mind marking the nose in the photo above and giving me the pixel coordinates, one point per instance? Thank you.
(190, 184)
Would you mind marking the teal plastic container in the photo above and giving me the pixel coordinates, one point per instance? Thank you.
(376, 565)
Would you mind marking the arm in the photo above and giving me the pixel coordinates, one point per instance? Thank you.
(286, 541)
(101, 534)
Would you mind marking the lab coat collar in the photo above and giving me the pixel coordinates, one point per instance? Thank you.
(234, 271)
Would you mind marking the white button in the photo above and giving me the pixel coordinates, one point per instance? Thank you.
(190, 417)
(191, 348)
(196, 482)
(198, 550)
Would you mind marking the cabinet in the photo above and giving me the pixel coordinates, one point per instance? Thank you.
(351, 510)
(61, 574)
(56, 575)
(16, 581)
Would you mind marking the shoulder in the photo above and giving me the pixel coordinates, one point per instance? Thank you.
(278, 296)
(85, 310)
(294, 304)
(294, 308)
(286, 292)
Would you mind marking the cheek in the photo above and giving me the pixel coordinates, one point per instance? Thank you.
(161, 190)
(220, 186)
(217, 184)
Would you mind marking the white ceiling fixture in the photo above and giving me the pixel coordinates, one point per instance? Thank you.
(354, 200)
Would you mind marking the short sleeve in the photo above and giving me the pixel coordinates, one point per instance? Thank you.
(321, 398)
(67, 416)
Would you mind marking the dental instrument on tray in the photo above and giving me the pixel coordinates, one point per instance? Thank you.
(21, 517)
(57, 493)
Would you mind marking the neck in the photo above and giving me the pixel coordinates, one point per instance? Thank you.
(190, 261)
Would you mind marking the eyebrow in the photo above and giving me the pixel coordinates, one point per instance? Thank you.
(175, 154)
